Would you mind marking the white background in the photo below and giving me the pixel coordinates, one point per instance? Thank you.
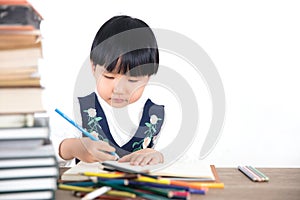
(255, 46)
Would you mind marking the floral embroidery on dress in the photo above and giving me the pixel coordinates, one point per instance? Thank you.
(93, 123)
(150, 132)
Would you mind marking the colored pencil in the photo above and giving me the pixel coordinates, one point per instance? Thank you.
(259, 173)
(75, 188)
(195, 191)
(81, 184)
(82, 130)
(117, 181)
(148, 175)
(107, 196)
(103, 175)
(123, 169)
(259, 179)
(179, 194)
(171, 187)
(197, 185)
(126, 189)
(96, 193)
(248, 174)
(194, 185)
(158, 185)
(153, 180)
(162, 192)
(125, 176)
(205, 186)
(121, 193)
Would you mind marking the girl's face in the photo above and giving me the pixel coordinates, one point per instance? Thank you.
(119, 90)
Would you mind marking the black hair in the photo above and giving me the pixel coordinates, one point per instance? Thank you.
(126, 45)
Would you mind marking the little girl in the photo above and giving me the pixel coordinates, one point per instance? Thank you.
(124, 55)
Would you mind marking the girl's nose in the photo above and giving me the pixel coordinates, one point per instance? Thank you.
(119, 85)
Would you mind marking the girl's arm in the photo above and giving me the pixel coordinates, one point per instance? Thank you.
(86, 150)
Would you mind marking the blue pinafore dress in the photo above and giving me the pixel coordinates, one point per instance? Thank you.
(95, 122)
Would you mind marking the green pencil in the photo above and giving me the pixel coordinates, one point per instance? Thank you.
(162, 192)
(126, 189)
(165, 192)
(259, 173)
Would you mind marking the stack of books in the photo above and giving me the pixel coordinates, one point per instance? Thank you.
(20, 51)
(28, 167)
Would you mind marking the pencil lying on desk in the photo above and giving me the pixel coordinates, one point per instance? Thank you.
(194, 185)
(259, 173)
(253, 174)
(250, 175)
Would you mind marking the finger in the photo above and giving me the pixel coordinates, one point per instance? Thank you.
(102, 156)
(153, 161)
(104, 146)
(146, 160)
(136, 159)
(125, 158)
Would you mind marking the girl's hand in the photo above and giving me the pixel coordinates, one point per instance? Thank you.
(143, 157)
(86, 150)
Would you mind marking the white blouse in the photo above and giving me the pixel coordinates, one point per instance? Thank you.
(121, 130)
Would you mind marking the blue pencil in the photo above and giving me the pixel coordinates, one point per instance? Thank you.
(174, 187)
(158, 185)
(81, 129)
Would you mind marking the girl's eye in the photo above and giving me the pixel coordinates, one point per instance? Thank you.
(108, 77)
(133, 80)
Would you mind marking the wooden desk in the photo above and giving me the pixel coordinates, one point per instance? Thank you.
(284, 184)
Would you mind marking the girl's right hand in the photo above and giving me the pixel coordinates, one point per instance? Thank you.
(95, 151)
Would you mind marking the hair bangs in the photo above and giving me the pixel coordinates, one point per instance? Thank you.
(141, 62)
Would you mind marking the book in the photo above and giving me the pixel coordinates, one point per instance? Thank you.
(195, 170)
(22, 144)
(26, 56)
(199, 171)
(21, 100)
(31, 184)
(30, 172)
(26, 82)
(127, 167)
(23, 130)
(24, 133)
(16, 120)
(13, 39)
(19, 12)
(41, 151)
(23, 120)
(18, 73)
(27, 162)
(32, 195)
(74, 173)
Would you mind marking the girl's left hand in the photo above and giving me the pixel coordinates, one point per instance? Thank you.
(143, 157)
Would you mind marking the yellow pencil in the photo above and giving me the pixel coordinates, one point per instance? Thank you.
(197, 185)
(75, 188)
(152, 180)
(212, 185)
(103, 175)
(121, 193)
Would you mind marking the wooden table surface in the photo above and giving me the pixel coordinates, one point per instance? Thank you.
(284, 184)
